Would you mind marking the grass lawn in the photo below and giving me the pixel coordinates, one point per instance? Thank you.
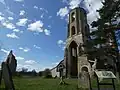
(38, 83)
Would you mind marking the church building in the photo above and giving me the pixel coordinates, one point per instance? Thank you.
(77, 38)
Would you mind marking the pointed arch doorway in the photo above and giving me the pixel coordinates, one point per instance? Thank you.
(73, 58)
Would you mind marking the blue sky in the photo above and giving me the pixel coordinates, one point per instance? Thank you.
(36, 30)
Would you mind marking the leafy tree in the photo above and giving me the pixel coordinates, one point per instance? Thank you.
(105, 30)
(24, 70)
(47, 73)
(107, 23)
(34, 73)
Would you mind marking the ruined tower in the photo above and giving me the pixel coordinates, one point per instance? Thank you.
(76, 42)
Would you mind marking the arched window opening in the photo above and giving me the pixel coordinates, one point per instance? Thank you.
(73, 16)
(85, 69)
(73, 30)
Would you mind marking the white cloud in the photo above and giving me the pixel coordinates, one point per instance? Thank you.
(36, 26)
(8, 25)
(47, 32)
(23, 5)
(35, 7)
(56, 63)
(41, 8)
(20, 48)
(30, 62)
(60, 42)
(10, 18)
(19, 0)
(90, 5)
(37, 47)
(42, 16)
(1, 13)
(2, 18)
(16, 30)
(65, 1)
(5, 51)
(71, 4)
(24, 49)
(22, 22)
(74, 3)
(3, 2)
(63, 12)
(50, 17)
(9, 11)
(63, 48)
(49, 26)
(22, 12)
(94, 5)
(12, 35)
(19, 58)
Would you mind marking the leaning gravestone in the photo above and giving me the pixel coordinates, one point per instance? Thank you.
(12, 62)
(7, 76)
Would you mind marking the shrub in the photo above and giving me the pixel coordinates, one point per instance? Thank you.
(47, 73)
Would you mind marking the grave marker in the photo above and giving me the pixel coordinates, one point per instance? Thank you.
(7, 76)
(84, 80)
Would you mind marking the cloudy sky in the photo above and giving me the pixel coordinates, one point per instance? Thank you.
(36, 29)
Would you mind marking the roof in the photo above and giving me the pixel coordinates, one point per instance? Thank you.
(58, 64)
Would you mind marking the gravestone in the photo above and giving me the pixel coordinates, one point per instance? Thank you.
(0, 76)
(7, 77)
(84, 80)
(12, 62)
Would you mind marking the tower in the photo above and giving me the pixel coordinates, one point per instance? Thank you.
(76, 42)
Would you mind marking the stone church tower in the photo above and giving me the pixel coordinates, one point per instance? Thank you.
(78, 30)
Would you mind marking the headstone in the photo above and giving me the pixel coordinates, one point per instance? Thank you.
(7, 77)
(84, 80)
(0, 76)
(12, 62)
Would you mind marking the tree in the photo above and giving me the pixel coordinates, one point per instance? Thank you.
(40, 73)
(34, 73)
(104, 41)
(24, 70)
(47, 73)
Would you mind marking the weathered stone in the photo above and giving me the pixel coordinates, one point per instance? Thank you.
(84, 80)
(12, 62)
(7, 76)
(78, 32)
(0, 76)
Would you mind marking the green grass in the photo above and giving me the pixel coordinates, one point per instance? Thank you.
(38, 83)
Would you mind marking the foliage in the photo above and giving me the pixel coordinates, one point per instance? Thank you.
(109, 15)
(47, 73)
(34, 73)
(24, 70)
